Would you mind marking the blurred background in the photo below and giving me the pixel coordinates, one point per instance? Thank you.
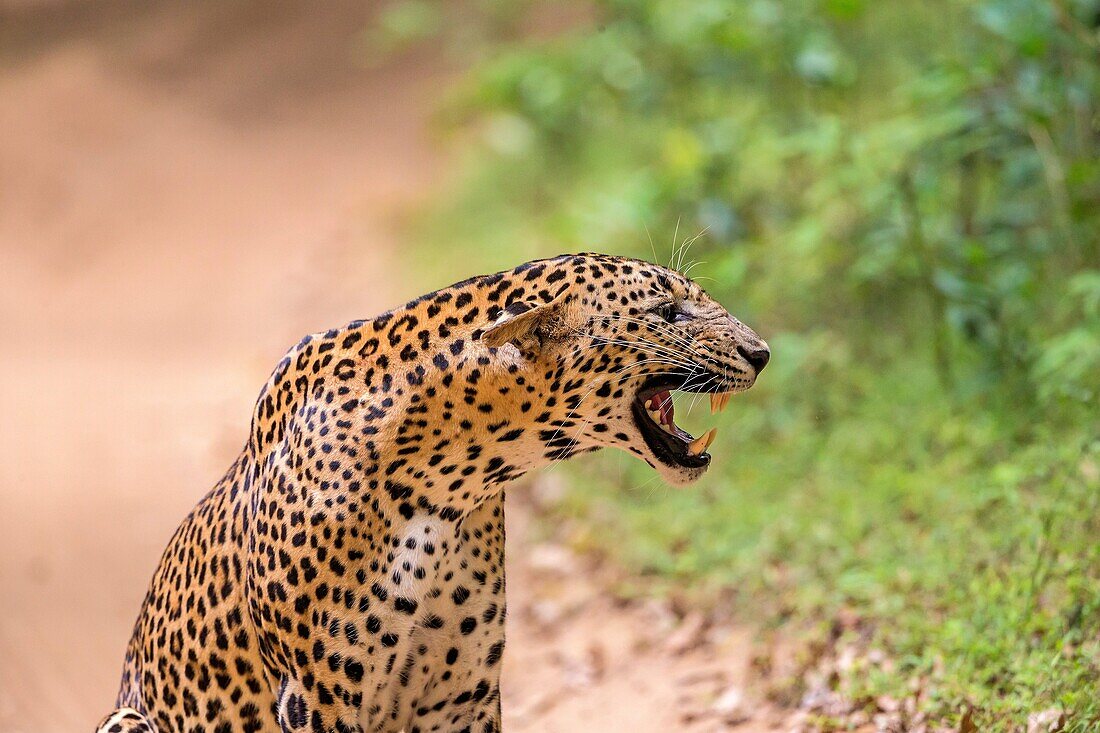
(900, 530)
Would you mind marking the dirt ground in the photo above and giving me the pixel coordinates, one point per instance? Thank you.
(185, 189)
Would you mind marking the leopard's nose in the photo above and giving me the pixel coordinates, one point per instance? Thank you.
(758, 357)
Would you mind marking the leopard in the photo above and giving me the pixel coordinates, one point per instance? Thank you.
(347, 571)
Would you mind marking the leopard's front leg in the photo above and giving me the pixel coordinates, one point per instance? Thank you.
(458, 645)
(311, 706)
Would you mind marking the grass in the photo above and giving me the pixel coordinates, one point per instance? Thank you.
(970, 554)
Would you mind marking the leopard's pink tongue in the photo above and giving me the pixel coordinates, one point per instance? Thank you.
(662, 402)
(661, 409)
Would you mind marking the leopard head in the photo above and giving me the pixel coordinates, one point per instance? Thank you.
(612, 339)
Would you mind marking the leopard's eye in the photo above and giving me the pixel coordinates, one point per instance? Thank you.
(667, 312)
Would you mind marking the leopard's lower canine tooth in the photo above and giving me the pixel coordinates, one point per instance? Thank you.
(700, 444)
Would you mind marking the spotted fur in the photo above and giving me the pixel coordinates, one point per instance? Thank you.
(347, 572)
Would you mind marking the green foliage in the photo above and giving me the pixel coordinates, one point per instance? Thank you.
(904, 198)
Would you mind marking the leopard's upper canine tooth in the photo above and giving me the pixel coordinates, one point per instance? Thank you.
(718, 401)
(700, 444)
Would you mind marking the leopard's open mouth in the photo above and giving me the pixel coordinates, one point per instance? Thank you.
(654, 413)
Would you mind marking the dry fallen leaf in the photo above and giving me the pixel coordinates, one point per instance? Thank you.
(688, 635)
(1046, 721)
(729, 701)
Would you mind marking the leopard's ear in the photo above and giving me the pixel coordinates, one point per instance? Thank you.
(530, 326)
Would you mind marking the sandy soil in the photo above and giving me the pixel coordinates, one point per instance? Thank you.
(183, 193)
